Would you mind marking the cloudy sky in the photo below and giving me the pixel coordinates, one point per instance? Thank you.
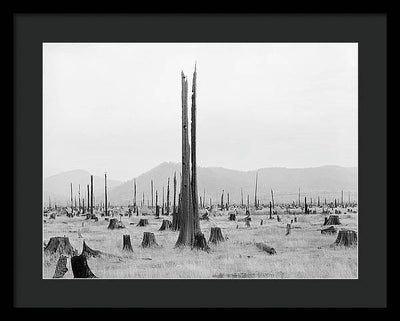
(116, 107)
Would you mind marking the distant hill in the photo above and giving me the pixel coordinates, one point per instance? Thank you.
(58, 186)
(325, 181)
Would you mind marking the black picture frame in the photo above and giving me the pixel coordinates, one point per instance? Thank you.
(31, 30)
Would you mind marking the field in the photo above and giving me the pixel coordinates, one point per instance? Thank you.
(305, 253)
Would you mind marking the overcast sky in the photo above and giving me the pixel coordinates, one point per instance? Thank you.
(116, 107)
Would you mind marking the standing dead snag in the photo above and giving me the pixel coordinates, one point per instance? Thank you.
(61, 267)
(216, 235)
(222, 201)
(105, 194)
(149, 240)
(288, 228)
(167, 197)
(346, 238)
(80, 268)
(91, 194)
(127, 246)
(166, 225)
(151, 194)
(255, 193)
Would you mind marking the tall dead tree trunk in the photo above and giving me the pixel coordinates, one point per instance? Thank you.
(79, 197)
(157, 208)
(134, 194)
(151, 194)
(305, 205)
(186, 231)
(91, 194)
(255, 193)
(272, 197)
(72, 205)
(270, 210)
(105, 194)
(241, 194)
(168, 197)
(88, 198)
(222, 200)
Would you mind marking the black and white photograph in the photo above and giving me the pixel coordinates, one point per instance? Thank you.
(200, 160)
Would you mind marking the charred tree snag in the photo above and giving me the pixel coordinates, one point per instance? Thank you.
(241, 195)
(186, 231)
(174, 198)
(261, 222)
(105, 194)
(305, 206)
(61, 267)
(166, 225)
(232, 217)
(216, 235)
(59, 245)
(151, 194)
(115, 224)
(91, 194)
(149, 240)
(134, 195)
(88, 252)
(157, 208)
(72, 205)
(346, 238)
(222, 201)
(255, 193)
(127, 246)
(143, 222)
(332, 220)
(80, 268)
(168, 197)
(329, 230)
(270, 210)
(288, 228)
(200, 242)
(266, 248)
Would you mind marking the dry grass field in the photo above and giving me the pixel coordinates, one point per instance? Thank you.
(305, 253)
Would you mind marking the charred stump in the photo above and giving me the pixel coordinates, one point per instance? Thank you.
(127, 246)
(205, 217)
(149, 240)
(80, 268)
(261, 222)
(115, 224)
(288, 228)
(232, 217)
(266, 248)
(332, 220)
(200, 242)
(143, 222)
(216, 235)
(346, 238)
(329, 230)
(166, 225)
(88, 252)
(61, 267)
(59, 245)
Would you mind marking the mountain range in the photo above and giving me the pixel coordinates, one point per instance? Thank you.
(324, 182)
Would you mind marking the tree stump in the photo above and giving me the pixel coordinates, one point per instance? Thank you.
(61, 267)
(332, 220)
(166, 225)
(52, 216)
(288, 228)
(143, 222)
(127, 246)
(278, 218)
(329, 230)
(200, 242)
(232, 217)
(149, 240)
(346, 238)
(115, 224)
(266, 248)
(205, 217)
(261, 223)
(59, 245)
(247, 223)
(80, 268)
(216, 235)
(295, 219)
(88, 252)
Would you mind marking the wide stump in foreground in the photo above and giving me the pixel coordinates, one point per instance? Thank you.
(266, 248)
(332, 220)
(143, 222)
(80, 268)
(346, 238)
(149, 240)
(59, 245)
(88, 252)
(127, 246)
(61, 267)
(200, 242)
(166, 225)
(115, 224)
(216, 235)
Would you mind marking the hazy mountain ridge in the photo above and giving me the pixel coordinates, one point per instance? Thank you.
(325, 181)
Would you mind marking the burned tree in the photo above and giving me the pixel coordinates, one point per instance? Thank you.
(305, 206)
(151, 194)
(127, 246)
(143, 222)
(134, 194)
(157, 207)
(105, 194)
(115, 224)
(255, 193)
(200, 242)
(222, 201)
(216, 235)
(149, 240)
(167, 197)
(80, 268)
(91, 194)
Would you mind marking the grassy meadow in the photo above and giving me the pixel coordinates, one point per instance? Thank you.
(303, 254)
